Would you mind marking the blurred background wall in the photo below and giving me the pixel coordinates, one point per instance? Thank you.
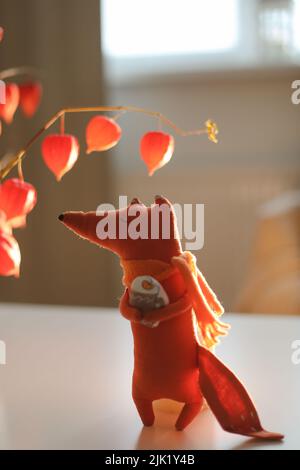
(256, 159)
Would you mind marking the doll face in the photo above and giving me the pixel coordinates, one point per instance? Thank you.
(140, 232)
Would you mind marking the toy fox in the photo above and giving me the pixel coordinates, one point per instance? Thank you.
(175, 320)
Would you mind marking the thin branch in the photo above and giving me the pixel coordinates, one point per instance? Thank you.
(61, 114)
(20, 170)
(16, 71)
(62, 124)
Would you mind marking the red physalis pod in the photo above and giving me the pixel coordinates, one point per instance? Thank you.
(12, 98)
(156, 150)
(4, 227)
(30, 97)
(1, 33)
(10, 256)
(102, 133)
(60, 153)
(17, 199)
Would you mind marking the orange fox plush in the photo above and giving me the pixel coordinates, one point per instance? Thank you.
(175, 318)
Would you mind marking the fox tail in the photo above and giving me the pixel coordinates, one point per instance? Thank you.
(228, 399)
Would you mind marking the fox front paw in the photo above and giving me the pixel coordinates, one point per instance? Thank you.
(130, 313)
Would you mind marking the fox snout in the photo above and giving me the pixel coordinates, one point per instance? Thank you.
(134, 232)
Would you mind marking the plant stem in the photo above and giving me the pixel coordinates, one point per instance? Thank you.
(20, 170)
(16, 71)
(62, 124)
(61, 114)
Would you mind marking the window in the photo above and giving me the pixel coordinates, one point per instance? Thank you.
(139, 28)
(148, 37)
(296, 25)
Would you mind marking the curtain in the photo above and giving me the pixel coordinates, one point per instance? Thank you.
(61, 39)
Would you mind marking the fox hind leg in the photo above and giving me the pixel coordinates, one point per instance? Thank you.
(188, 413)
(145, 410)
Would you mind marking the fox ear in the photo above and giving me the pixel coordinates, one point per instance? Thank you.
(160, 200)
(163, 201)
(136, 200)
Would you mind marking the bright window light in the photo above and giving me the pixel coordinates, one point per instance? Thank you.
(141, 28)
(296, 25)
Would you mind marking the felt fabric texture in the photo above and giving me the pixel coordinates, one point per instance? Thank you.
(169, 360)
(228, 399)
(156, 268)
(165, 365)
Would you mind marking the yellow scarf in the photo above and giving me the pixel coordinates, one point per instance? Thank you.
(160, 270)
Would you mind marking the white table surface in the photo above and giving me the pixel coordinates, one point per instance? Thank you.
(67, 382)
